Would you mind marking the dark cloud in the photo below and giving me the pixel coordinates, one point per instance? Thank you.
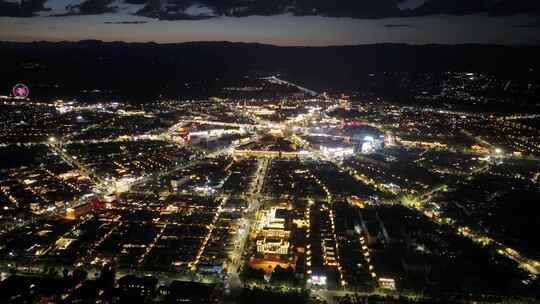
(94, 7)
(350, 8)
(463, 7)
(450, 7)
(171, 10)
(125, 22)
(397, 25)
(26, 8)
(136, 1)
(367, 9)
(511, 7)
(89, 7)
(535, 24)
(241, 8)
(176, 9)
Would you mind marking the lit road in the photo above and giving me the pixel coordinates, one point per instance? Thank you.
(216, 123)
(333, 296)
(254, 200)
(530, 265)
(518, 117)
(274, 79)
(72, 161)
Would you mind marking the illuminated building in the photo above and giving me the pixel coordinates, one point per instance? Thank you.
(73, 213)
(358, 202)
(274, 245)
(63, 243)
(336, 152)
(318, 280)
(272, 237)
(387, 283)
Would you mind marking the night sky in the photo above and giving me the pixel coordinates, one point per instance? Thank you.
(280, 22)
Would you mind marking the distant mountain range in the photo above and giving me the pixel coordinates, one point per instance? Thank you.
(150, 68)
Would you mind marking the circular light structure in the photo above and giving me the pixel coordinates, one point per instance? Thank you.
(20, 90)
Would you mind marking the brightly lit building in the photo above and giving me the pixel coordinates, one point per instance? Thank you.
(272, 240)
(272, 236)
(387, 283)
(369, 144)
(273, 245)
(317, 280)
(338, 152)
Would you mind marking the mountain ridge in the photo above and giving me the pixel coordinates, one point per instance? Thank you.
(154, 69)
(225, 42)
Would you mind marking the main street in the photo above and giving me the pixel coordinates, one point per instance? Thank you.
(242, 237)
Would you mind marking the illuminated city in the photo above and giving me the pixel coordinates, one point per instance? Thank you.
(320, 196)
(269, 151)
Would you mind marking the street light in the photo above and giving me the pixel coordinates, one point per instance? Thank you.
(52, 139)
